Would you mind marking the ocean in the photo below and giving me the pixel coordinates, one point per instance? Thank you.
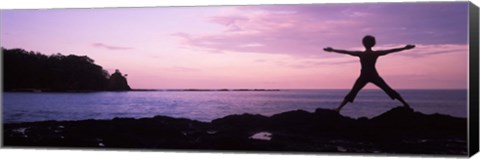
(209, 105)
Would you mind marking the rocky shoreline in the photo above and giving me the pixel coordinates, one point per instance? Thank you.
(399, 130)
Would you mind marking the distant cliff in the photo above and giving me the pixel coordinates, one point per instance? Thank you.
(33, 71)
(118, 82)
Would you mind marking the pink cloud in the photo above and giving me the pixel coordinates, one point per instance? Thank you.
(182, 69)
(304, 30)
(437, 49)
(267, 32)
(110, 47)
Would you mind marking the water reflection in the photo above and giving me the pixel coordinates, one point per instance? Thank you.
(206, 106)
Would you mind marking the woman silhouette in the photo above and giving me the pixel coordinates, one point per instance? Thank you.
(369, 73)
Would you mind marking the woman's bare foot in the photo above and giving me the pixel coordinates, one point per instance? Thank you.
(337, 110)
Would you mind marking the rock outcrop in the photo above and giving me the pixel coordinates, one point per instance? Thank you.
(118, 82)
(400, 131)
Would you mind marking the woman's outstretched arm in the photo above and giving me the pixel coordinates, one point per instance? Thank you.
(353, 53)
(384, 52)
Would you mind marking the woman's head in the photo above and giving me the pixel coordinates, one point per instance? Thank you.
(368, 41)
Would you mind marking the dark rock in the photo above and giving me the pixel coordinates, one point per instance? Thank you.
(243, 124)
(118, 82)
(399, 130)
(397, 114)
(293, 117)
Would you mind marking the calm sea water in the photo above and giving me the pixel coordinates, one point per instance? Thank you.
(206, 106)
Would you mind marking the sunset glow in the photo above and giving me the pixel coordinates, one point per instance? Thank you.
(266, 46)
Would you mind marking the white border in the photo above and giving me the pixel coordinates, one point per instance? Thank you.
(55, 153)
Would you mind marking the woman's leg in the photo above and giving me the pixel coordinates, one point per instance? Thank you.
(359, 84)
(392, 93)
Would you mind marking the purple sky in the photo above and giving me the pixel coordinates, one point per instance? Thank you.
(267, 46)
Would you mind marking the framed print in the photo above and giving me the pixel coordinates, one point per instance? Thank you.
(346, 78)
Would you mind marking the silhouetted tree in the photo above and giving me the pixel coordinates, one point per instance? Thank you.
(25, 70)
